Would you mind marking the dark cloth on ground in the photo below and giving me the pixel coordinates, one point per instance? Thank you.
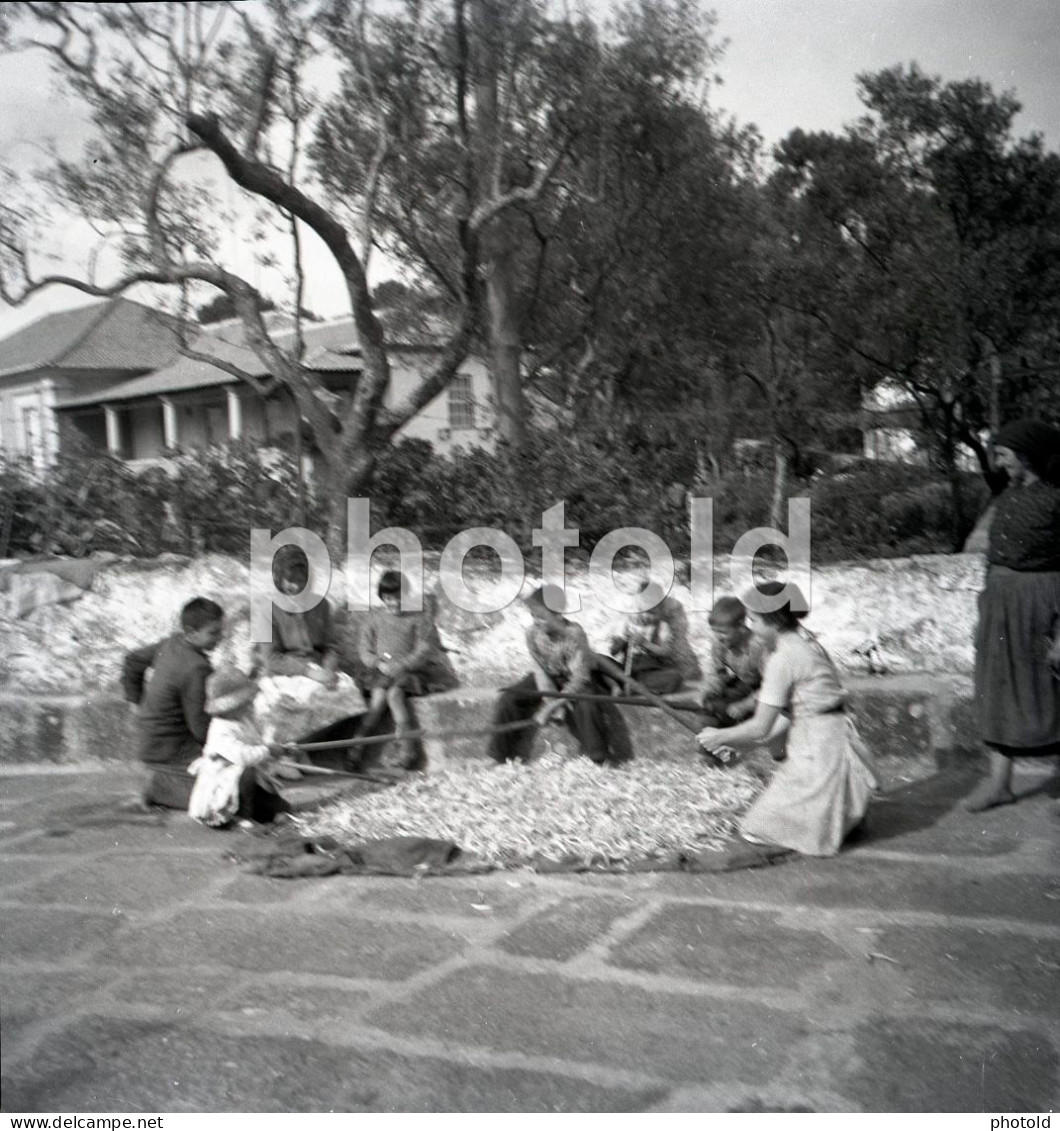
(289, 855)
(597, 727)
(293, 856)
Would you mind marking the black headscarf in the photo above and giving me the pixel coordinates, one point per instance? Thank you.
(1038, 443)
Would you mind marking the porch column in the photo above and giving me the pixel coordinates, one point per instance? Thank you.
(49, 422)
(235, 415)
(170, 437)
(110, 415)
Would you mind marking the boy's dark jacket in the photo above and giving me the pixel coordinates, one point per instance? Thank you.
(173, 717)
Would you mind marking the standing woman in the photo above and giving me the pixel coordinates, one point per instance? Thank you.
(1017, 643)
(821, 789)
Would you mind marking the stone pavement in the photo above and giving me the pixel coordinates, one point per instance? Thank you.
(139, 970)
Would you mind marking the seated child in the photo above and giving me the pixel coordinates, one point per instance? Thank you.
(172, 705)
(646, 646)
(303, 643)
(735, 672)
(230, 778)
(402, 658)
(563, 661)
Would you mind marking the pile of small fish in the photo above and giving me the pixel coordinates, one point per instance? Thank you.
(560, 806)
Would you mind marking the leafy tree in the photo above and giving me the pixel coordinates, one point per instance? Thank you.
(167, 85)
(936, 238)
(573, 121)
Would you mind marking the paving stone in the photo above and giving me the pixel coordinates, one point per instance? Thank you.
(863, 883)
(39, 935)
(282, 938)
(442, 896)
(889, 885)
(674, 1036)
(30, 787)
(103, 1064)
(938, 1066)
(249, 889)
(933, 831)
(182, 992)
(717, 944)
(51, 838)
(27, 995)
(565, 929)
(128, 883)
(15, 871)
(324, 1005)
(1001, 970)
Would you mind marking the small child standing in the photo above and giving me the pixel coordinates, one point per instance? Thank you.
(404, 658)
(171, 706)
(229, 782)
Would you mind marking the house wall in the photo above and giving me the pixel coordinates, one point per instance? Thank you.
(28, 427)
(29, 422)
(459, 418)
(442, 423)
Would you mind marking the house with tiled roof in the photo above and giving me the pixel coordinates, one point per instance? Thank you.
(190, 403)
(70, 355)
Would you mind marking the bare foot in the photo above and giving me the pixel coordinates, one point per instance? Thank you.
(990, 797)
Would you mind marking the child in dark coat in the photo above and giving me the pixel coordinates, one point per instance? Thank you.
(172, 704)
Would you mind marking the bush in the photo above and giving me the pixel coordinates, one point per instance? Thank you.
(206, 501)
(209, 501)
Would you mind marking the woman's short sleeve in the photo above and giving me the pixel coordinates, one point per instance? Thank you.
(778, 681)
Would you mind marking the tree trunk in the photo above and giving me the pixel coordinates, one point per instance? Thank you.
(781, 464)
(497, 243)
(505, 339)
(351, 479)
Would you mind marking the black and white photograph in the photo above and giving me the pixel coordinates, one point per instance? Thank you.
(529, 560)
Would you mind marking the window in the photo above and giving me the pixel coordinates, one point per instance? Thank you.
(461, 403)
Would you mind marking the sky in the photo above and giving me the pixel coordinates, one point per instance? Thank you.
(787, 63)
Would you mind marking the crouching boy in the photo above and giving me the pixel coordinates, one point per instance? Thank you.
(172, 703)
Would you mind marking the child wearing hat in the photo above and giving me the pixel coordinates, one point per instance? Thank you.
(229, 780)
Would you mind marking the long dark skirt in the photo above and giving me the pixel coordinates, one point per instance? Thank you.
(1016, 692)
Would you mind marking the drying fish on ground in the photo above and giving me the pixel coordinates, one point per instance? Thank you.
(557, 806)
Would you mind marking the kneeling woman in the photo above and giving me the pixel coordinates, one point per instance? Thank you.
(822, 788)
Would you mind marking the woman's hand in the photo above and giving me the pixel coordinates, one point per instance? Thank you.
(710, 738)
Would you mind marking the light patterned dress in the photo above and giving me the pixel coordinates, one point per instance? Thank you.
(822, 789)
